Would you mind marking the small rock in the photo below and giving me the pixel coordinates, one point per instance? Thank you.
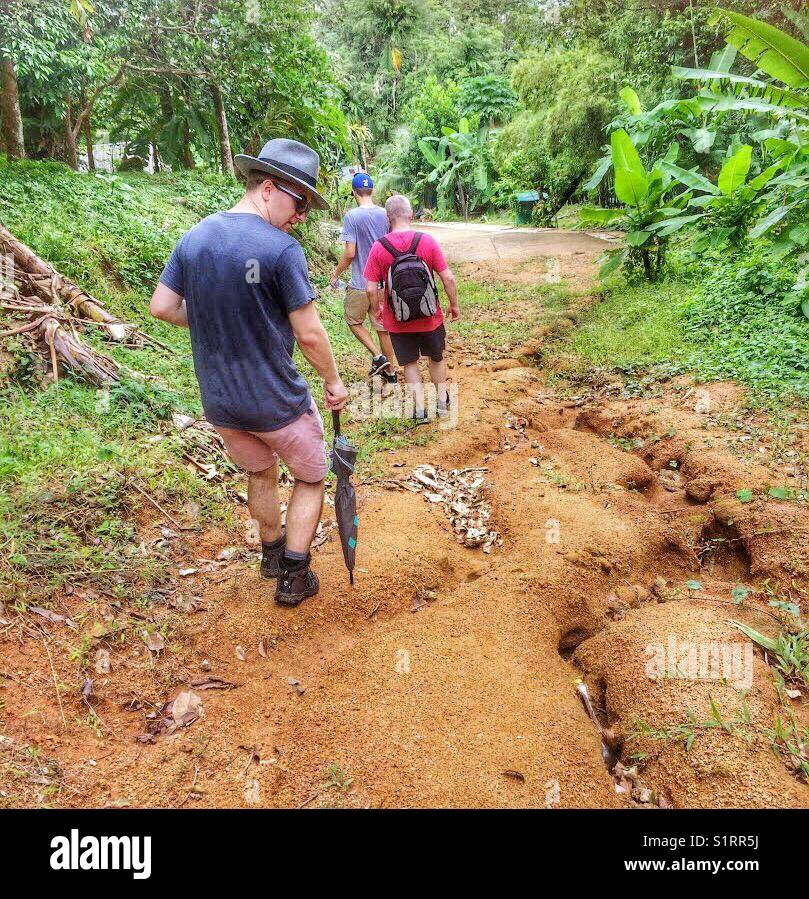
(642, 794)
(205, 665)
(240, 654)
(102, 661)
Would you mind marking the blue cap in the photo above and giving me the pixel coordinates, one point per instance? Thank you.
(361, 179)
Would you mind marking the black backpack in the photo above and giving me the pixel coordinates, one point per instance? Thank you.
(412, 292)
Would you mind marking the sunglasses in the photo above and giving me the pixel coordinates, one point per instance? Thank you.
(302, 204)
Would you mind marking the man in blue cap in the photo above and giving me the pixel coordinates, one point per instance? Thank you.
(362, 226)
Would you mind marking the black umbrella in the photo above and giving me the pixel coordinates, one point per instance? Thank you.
(343, 460)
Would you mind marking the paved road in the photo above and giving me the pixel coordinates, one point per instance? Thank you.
(475, 242)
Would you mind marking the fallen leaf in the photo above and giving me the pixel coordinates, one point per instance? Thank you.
(212, 683)
(154, 641)
(240, 654)
(186, 708)
(514, 775)
(55, 617)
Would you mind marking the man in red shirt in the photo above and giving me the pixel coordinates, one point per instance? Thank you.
(422, 336)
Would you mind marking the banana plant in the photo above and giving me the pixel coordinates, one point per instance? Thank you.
(651, 213)
(460, 161)
(734, 201)
(779, 90)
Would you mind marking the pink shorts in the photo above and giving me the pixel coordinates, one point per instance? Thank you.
(299, 444)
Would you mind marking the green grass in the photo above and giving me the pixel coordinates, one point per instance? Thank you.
(504, 315)
(719, 319)
(635, 325)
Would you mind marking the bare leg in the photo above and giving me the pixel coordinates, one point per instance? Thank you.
(386, 346)
(438, 375)
(303, 515)
(364, 336)
(262, 501)
(414, 385)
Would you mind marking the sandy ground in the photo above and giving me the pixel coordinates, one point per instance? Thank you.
(375, 696)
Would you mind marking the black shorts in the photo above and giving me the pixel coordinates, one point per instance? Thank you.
(409, 346)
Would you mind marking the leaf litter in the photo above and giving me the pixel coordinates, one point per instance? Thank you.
(459, 493)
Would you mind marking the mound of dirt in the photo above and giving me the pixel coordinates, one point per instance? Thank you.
(637, 671)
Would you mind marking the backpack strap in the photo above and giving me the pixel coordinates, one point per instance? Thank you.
(414, 243)
(390, 248)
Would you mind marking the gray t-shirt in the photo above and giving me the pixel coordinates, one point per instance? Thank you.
(363, 226)
(241, 277)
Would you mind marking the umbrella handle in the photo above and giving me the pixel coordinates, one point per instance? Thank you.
(335, 417)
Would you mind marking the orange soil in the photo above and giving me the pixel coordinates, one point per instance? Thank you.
(470, 700)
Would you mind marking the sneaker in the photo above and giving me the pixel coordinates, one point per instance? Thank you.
(443, 409)
(390, 376)
(295, 586)
(271, 558)
(379, 365)
(420, 417)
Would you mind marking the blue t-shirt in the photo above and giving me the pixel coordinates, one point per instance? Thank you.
(363, 226)
(241, 277)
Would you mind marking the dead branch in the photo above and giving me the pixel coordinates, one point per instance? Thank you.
(64, 347)
(55, 288)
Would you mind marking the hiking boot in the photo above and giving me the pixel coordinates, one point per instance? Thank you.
(295, 584)
(420, 417)
(271, 557)
(379, 365)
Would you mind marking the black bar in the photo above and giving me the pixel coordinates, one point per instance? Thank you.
(581, 847)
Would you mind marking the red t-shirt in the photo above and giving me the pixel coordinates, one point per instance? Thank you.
(379, 263)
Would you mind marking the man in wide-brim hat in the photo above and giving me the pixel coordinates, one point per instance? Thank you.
(239, 281)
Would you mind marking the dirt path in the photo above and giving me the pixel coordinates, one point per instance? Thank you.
(357, 699)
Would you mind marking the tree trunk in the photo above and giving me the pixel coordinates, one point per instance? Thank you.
(166, 104)
(88, 139)
(222, 127)
(188, 156)
(71, 157)
(10, 114)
